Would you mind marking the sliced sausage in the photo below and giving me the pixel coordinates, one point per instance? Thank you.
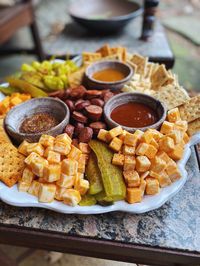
(94, 112)
(77, 116)
(57, 94)
(97, 101)
(107, 96)
(96, 126)
(78, 128)
(85, 135)
(69, 129)
(77, 92)
(90, 94)
(70, 104)
(81, 104)
(75, 142)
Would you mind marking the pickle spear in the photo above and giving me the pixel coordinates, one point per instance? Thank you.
(88, 200)
(112, 177)
(94, 175)
(24, 86)
(8, 90)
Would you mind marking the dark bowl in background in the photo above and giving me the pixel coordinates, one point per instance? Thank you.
(104, 16)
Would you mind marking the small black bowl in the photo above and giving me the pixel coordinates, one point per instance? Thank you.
(105, 16)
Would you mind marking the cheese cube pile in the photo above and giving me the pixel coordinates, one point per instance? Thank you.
(148, 158)
(55, 169)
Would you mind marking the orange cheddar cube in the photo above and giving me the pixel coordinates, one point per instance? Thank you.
(132, 139)
(53, 157)
(163, 155)
(166, 127)
(38, 165)
(23, 148)
(52, 172)
(158, 164)
(34, 188)
(82, 185)
(154, 143)
(133, 195)
(114, 132)
(171, 167)
(23, 186)
(31, 158)
(59, 193)
(116, 144)
(142, 164)
(62, 147)
(102, 135)
(151, 151)
(177, 153)
(66, 181)
(181, 125)
(132, 178)
(46, 151)
(81, 163)
(129, 163)
(84, 148)
(128, 150)
(166, 144)
(35, 147)
(46, 193)
(152, 186)
(69, 167)
(173, 115)
(176, 135)
(122, 136)
(147, 136)
(142, 148)
(64, 138)
(118, 159)
(156, 134)
(71, 197)
(46, 140)
(27, 176)
(164, 179)
(75, 153)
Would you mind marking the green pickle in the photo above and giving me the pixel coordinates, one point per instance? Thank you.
(8, 90)
(112, 177)
(93, 175)
(88, 200)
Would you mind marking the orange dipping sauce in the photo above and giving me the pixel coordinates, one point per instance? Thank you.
(134, 114)
(108, 75)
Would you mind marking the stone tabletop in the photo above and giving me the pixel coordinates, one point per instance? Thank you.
(173, 226)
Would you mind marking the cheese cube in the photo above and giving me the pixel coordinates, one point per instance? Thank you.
(116, 144)
(156, 134)
(64, 138)
(151, 151)
(84, 148)
(142, 148)
(32, 157)
(66, 181)
(132, 139)
(23, 148)
(71, 197)
(177, 153)
(166, 127)
(102, 135)
(27, 176)
(144, 175)
(23, 186)
(114, 132)
(147, 136)
(46, 193)
(81, 163)
(133, 195)
(75, 153)
(34, 188)
(132, 178)
(38, 166)
(69, 167)
(176, 135)
(59, 193)
(175, 175)
(154, 143)
(173, 115)
(15, 101)
(128, 150)
(82, 186)
(35, 147)
(171, 167)
(47, 150)
(122, 136)
(164, 179)
(163, 155)
(46, 140)
(61, 147)
(53, 157)
(181, 125)
(166, 144)
(129, 163)
(52, 172)
(186, 138)
(142, 164)
(118, 159)
(152, 186)
(142, 186)
(158, 164)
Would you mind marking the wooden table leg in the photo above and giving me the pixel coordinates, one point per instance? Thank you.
(37, 41)
(150, 7)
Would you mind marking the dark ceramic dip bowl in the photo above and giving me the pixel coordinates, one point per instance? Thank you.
(124, 98)
(92, 83)
(104, 16)
(19, 113)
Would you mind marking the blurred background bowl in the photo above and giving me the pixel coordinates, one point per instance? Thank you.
(105, 16)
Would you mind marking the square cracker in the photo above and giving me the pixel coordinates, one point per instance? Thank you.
(190, 111)
(194, 127)
(11, 164)
(91, 57)
(104, 50)
(140, 62)
(3, 136)
(172, 96)
(160, 77)
(120, 51)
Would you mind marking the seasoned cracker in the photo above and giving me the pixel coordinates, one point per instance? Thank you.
(190, 111)
(11, 164)
(91, 57)
(75, 78)
(104, 50)
(172, 96)
(140, 62)
(120, 51)
(194, 127)
(159, 77)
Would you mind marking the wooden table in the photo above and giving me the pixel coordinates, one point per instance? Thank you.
(167, 236)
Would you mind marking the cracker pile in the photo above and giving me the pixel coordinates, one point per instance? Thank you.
(54, 169)
(148, 159)
(11, 162)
